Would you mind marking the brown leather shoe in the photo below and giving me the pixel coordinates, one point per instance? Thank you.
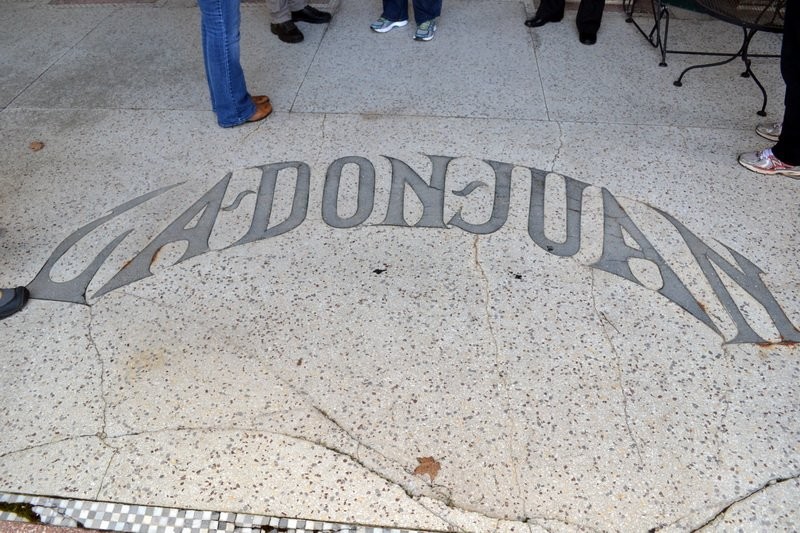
(259, 99)
(262, 111)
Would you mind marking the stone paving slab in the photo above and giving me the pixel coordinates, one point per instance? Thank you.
(548, 311)
(480, 65)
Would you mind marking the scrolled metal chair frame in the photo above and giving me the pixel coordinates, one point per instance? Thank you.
(769, 19)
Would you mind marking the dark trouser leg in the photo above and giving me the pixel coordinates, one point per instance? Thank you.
(590, 13)
(395, 9)
(788, 147)
(551, 9)
(425, 10)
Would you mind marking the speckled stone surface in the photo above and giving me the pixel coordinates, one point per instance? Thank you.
(444, 363)
(493, 74)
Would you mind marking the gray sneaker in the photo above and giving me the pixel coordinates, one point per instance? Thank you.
(12, 300)
(425, 30)
(383, 25)
(770, 131)
(765, 162)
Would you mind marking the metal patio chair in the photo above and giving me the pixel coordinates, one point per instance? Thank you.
(658, 34)
(752, 16)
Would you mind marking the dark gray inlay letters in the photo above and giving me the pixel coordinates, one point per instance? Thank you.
(574, 193)
(74, 290)
(748, 278)
(196, 238)
(202, 216)
(502, 199)
(259, 227)
(431, 195)
(366, 193)
(616, 254)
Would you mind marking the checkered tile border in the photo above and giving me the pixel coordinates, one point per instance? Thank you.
(109, 516)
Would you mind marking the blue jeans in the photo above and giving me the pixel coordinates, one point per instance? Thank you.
(424, 10)
(220, 28)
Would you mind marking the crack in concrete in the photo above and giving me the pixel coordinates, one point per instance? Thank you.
(502, 371)
(408, 490)
(525, 521)
(437, 493)
(271, 529)
(45, 444)
(537, 520)
(355, 457)
(101, 435)
(442, 496)
(254, 130)
(322, 136)
(560, 146)
(725, 398)
(772, 482)
(620, 377)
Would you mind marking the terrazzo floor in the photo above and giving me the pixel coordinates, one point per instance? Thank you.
(499, 281)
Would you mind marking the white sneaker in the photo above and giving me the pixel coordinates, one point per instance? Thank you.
(425, 31)
(770, 131)
(383, 25)
(765, 162)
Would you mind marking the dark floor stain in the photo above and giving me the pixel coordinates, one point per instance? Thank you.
(22, 510)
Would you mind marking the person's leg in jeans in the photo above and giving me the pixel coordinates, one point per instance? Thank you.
(395, 10)
(788, 147)
(220, 28)
(425, 10)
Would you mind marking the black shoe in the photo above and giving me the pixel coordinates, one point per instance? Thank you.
(12, 300)
(287, 32)
(587, 37)
(540, 19)
(311, 15)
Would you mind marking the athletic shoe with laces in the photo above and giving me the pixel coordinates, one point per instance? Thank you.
(383, 25)
(425, 31)
(770, 131)
(12, 300)
(765, 162)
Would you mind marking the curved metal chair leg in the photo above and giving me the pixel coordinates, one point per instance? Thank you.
(748, 73)
(628, 6)
(678, 82)
(742, 52)
(662, 43)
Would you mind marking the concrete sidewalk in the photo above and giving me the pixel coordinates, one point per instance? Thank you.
(499, 281)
